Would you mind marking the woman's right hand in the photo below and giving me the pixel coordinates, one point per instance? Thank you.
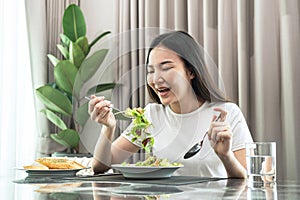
(100, 111)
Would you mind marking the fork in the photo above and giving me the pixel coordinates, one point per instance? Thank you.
(118, 111)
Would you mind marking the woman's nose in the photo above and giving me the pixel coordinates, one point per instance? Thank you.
(157, 78)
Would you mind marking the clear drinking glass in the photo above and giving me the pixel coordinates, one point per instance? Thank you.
(261, 163)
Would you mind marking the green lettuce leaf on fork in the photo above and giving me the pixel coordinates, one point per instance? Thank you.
(139, 130)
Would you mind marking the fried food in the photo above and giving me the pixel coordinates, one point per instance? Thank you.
(59, 163)
(35, 167)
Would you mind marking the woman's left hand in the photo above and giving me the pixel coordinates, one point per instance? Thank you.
(220, 134)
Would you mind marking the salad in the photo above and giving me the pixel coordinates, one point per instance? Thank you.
(153, 161)
(139, 133)
(139, 130)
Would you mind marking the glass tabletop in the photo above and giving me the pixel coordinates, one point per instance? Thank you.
(97, 189)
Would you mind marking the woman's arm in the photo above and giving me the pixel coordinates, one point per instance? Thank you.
(235, 164)
(107, 153)
(102, 152)
(220, 136)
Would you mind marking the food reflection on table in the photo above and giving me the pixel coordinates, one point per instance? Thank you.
(101, 190)
(224, 189)
(133, 191)
(57, 187)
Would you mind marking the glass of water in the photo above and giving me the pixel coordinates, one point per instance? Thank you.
(261, 163)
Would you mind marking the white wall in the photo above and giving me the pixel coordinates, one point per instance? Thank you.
(99, 16)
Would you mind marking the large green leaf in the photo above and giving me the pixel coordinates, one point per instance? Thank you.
(65, 40)
(55, 100)
(91, 64)
(83, 43)
(77, 88)
(65, 74)
(55, 86)
(55, 119)
(68, 138)
(77, 56)
(63, 51)
(53, 59)
(101, 87)
(98, 38)
(74, 25)
(82, 114)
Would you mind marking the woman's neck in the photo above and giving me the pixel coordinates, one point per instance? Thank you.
(185, 107)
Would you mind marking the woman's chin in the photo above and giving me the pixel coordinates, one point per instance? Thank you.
(164, 102)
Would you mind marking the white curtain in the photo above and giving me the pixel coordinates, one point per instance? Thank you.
(44, 20)
(17, 118)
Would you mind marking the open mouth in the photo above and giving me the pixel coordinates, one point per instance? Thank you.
(163, 91)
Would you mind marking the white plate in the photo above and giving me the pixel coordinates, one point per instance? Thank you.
(145, 172)
(53, 172)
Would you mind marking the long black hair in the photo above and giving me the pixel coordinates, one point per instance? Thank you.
(192, 56)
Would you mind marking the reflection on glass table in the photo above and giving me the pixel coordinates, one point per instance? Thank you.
(108, 189)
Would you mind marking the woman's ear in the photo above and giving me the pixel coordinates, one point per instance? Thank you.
(191, 75)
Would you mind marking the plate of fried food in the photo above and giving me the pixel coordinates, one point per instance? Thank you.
(54, 166)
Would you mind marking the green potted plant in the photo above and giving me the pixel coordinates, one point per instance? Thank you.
(70, 73)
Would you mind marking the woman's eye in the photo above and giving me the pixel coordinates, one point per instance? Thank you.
(150, 71)
(165, 68)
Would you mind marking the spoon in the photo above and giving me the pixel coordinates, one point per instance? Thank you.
(197, 147)
(118, 111)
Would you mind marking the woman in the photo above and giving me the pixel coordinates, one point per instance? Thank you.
(187, 103)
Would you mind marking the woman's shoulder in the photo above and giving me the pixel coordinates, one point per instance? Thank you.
(232, 108)
(225, 105)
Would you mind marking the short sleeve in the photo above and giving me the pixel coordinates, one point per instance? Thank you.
(129, 137)
(240, 131)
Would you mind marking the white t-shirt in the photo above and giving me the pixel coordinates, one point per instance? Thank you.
(174, 134)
